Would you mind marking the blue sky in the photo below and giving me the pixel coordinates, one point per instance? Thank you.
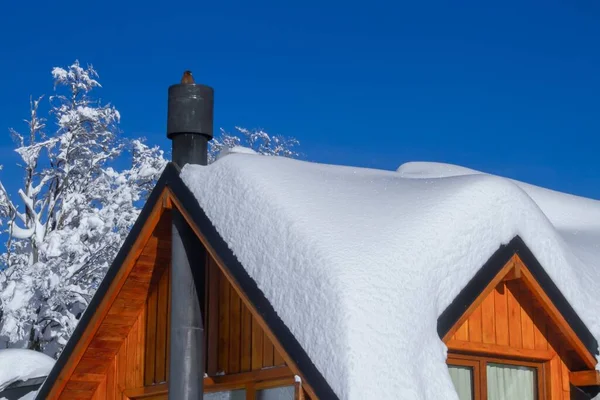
(509, 87)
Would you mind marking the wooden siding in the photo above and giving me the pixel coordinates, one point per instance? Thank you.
(123, 325)
(510, 322)
(157, 331)
(236, 341)
(126, 369)
(123, 352)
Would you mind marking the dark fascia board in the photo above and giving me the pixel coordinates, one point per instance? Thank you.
(491, 268)
(171, 172)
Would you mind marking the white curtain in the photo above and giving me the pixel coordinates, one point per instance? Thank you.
(279, 393)
(232, 395)
(462, 377)
(507, 382)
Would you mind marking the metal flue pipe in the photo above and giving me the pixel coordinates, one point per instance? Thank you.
(190, 127)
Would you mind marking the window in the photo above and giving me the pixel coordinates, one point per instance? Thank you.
(478, 378)
(276, 393)
(462, 378)
(228, 395)
(276, 383)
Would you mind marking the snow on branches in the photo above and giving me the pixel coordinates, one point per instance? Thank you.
(72, 213)
(257, 139)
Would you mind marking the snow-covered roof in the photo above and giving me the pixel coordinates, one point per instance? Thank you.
(21, 364)
(359, 263)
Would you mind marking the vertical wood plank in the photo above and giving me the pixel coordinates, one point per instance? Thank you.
(131, 356)
(100, 393)
(224, 289)
(246, 346)
(501, 312)
(526, 318)
(161, 329)
(480, 375)
(488, 324)
(140, 351)
(565, 377)
(298, 391)
(539, 329)
(250, 391)
(121, 369)
(475, 334)
(267, 351)
(235, 332)
(110, 381)
(150, 356)
(257, 346)
(212, 355)
(514, 316)
(556, 378)
(547, 382)
(462, 333)
(277, 359)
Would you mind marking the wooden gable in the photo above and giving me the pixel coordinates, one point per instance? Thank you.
(236, 342)
(118, 315)
(514, 319)
(124, 351)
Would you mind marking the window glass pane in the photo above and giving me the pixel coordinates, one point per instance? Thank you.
(462, 377)
(279, 393)
(233, 395)
(507, 382)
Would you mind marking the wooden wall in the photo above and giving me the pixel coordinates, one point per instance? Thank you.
(156, 365)
(511, 321)
(236, 343)
(126, 370)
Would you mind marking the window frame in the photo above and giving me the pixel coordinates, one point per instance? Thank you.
(478, 364)
(250, 381)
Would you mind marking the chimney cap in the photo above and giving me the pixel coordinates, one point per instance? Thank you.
(190, 109)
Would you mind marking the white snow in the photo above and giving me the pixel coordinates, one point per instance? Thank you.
(20, 365)
(235, 150)
(359, 263)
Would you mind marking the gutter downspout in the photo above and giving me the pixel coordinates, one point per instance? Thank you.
(190, 127)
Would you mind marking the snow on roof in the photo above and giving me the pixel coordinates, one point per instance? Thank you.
(21, 365)
(359, 263)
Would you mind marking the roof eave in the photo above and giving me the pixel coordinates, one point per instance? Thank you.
(491, 268)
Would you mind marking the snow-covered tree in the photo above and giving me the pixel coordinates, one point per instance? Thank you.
(72, 213)
(77, 203)
(257, 139)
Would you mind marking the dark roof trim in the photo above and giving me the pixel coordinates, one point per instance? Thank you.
(491, 268)
(293, 348)
(169, 173)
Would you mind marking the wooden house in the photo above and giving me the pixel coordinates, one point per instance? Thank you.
(509, 323)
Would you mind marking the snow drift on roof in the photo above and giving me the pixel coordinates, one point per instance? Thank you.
(359, 263)
(20, 365)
